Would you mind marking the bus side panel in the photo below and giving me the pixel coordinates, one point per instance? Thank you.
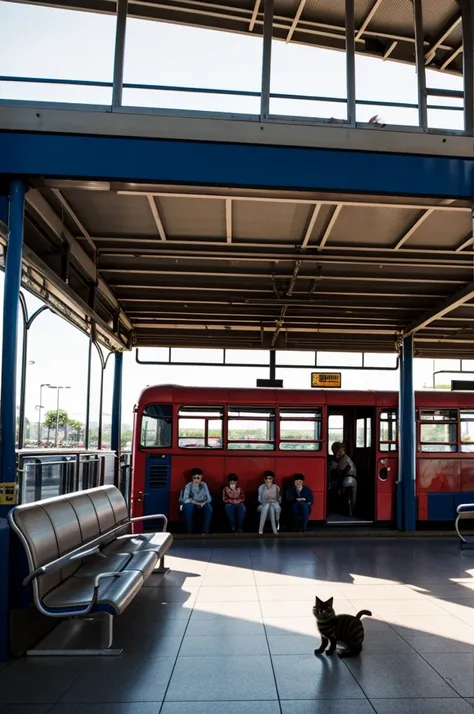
(314, 470)
(213, 469)
(438, 475)
(385, 486)
(467, 475)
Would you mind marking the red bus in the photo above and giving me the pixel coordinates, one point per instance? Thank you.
(247, 431)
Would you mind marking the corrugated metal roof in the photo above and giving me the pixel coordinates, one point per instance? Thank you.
(198, 267)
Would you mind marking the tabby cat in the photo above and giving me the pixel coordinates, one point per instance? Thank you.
(346, 629)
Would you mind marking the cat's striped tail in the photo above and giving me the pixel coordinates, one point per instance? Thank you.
(363, 612)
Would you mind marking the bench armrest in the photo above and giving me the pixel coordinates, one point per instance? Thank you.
(465, 507)
(95, 594)
(150, 518)
(62, 562)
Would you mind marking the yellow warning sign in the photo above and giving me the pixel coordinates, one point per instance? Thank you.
(8, 494)
(326, 380)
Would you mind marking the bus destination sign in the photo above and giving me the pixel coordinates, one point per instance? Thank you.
(327, 380)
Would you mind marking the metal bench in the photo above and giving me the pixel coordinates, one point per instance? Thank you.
(465, 511)
(83, 560)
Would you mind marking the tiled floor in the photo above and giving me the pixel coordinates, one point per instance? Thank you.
(230, 631)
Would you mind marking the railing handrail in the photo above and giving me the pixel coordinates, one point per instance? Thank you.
(59, 451)
(455, 94)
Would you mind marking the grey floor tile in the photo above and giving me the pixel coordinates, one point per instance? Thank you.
(160, 627)
(219, 707)
(431, 644)
(110, 708)
(3, 665)
(248, 611)
(47, 679)
(130, 678)
(327, 706)
(151, 644)
(456, 669)
(292, 644)
(392, 676)
(216, 645)
(310, 677)
(223, 627)
(222, 679)
(421, 706)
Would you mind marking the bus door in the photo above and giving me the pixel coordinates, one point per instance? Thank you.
(387, 464)
(364, 457)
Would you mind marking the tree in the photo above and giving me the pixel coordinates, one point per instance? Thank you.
(50, 419)
(77, 428)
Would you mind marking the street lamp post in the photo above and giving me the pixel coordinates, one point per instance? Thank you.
(40, 406)
(51, 386)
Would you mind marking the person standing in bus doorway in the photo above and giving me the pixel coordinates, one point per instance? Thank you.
(197, 499)
(346, 472)
(301, 499)
(269, 499)
(234, 497)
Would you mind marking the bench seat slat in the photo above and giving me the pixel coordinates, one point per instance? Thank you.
(77, 592)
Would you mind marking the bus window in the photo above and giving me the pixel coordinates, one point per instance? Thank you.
(364, 433)
(438, 430)
(388, 430)
(300, 429)
(156, 423)
(200, 427)
(336, 429)
(467, 429)
(251, 428)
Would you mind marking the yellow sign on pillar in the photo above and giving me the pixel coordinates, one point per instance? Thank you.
(8, 494)
(327, 380)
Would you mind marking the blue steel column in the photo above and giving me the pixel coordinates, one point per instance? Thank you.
(115, 444)
(407, 436)
(10, 330)
(399, 491)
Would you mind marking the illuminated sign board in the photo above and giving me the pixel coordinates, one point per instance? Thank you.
(327, 380)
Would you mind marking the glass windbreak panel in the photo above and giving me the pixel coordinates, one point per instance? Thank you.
(336, 429)
(250, 428)
(156, 424)
(200, 427)
(438, 437)
(439, 415)
(467, 430)
(360, 433)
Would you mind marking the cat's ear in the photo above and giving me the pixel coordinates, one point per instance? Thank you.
(330, 602)
(318, 601)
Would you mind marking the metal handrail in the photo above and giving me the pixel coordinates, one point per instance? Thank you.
(238, 92)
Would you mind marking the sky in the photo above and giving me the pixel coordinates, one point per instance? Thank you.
(49, 43)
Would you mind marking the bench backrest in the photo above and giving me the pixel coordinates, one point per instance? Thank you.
(56, 526)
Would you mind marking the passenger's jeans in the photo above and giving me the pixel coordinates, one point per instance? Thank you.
(350, 482)
(300, 508)
(273, 509)
(189, 509)
(235, 515)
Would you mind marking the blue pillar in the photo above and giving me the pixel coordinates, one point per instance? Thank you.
(408, 436)
(399, 491)
(117, 413)
(10, 330)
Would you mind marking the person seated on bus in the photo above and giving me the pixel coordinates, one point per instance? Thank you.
(269, 499)
(197, 499)
(346, 472)
(234, 497)
(301, 499)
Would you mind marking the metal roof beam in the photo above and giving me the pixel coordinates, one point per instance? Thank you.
(449, 28)
(368, 18)
(255, 12)
(228, 219)
(295, 20)
(75, 218)
(311, 224)
(413, 229)
(156, 216)
(448, 305)
(451, 58)
(43, 209)
(330, 226)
